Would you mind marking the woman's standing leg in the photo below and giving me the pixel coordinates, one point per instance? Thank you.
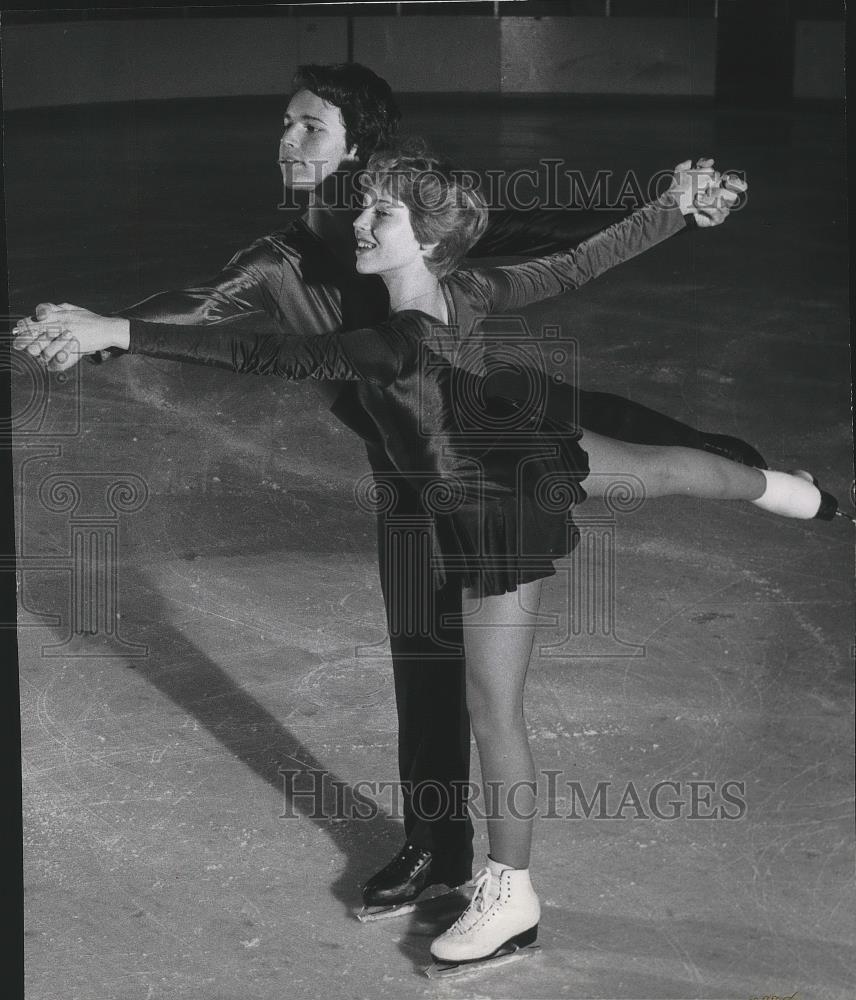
(504, 911)
(498, 637)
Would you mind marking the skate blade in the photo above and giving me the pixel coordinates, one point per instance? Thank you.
(369, 914)
(432, 905)
(457, 970)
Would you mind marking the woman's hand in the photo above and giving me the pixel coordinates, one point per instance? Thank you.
(60, 335)
(704, 193)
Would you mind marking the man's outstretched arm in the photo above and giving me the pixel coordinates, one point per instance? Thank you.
(243, 288)
(281, 283)
(539, 231)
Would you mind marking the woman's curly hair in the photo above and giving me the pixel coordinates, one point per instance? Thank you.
(444, 206)
(365, 100)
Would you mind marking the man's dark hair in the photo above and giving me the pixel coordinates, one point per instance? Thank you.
(365, 99)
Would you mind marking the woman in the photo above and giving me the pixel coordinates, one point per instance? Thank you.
(489, 465)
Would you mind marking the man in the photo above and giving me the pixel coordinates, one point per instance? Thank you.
(304, 279)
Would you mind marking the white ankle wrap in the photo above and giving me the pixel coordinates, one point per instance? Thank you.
(789, 495)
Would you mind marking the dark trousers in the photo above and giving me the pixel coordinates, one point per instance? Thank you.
(430, 677)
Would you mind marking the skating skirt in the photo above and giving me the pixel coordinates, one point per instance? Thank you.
(522, 522)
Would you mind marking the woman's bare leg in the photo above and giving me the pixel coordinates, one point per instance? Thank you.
(667, 471)
(498, 637)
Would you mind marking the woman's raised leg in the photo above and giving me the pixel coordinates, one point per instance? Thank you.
(668, 471)
(677, 471)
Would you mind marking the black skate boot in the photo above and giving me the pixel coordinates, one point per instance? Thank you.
(733, 449)
(394, 890)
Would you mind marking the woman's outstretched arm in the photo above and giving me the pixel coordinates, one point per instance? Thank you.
(517, 285)
(373, 354)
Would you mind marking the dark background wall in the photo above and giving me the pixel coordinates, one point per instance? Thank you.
(691, 49)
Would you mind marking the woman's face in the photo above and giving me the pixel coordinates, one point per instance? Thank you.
(385, 238)
(313, 144)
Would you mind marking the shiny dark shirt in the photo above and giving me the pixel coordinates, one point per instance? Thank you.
(421, 382)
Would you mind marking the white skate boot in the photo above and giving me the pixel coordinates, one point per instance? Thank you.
(499, 925)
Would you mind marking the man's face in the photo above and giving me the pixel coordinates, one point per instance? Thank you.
(313, 144)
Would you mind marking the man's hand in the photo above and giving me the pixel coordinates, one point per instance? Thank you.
(705, 194)
(61, 335)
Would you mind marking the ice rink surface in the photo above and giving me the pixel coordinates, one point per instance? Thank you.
(163, 858)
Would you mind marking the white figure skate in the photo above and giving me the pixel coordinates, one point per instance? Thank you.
(499, 926)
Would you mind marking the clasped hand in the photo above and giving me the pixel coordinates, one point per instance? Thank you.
(61, 334)
(704, 193)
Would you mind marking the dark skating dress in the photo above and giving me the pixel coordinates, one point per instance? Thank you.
(497, 472)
